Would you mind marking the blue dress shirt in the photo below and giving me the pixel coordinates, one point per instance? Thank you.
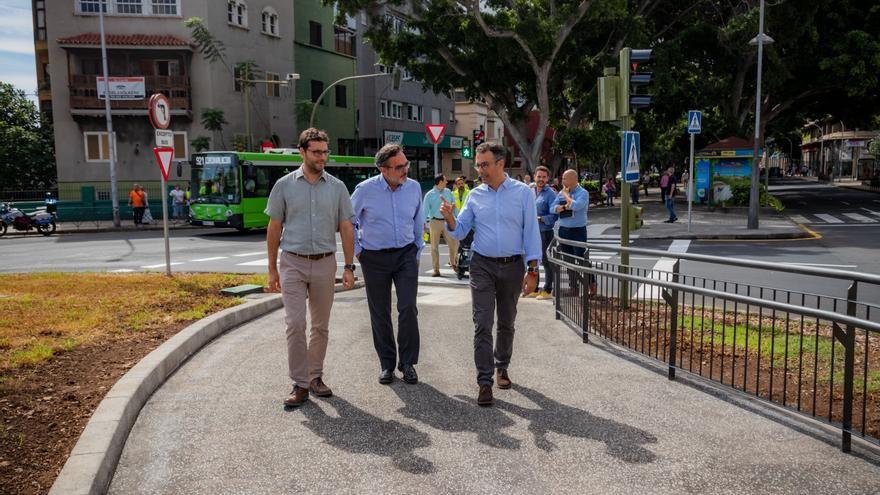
(387, 219)
(544, 203)
(580, 201)
(504, 221)
(433, 202)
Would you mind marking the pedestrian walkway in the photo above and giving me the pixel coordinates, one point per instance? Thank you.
(578, 420)
(861, 217)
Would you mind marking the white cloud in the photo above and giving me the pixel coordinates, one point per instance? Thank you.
(16, 26)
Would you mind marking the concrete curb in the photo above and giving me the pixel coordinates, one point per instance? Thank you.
(91, 464)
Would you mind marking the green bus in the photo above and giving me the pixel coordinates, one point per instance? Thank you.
(230, 189)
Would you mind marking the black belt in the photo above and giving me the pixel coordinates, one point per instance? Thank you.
(503, 259)
(312, 257)
(391, 250)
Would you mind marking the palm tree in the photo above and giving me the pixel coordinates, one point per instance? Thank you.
(213, 120)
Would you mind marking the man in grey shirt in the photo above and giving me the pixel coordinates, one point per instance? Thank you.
(306, 208)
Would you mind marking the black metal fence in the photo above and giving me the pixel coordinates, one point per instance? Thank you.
(816, 354)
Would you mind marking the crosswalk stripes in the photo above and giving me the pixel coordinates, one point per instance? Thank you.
(859, 218)
(829, 218)
(841, 219)
(872, 212)
(799, 219)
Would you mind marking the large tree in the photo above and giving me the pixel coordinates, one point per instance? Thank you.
(27, 145)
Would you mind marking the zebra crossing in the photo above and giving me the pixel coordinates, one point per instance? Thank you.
(861, 217)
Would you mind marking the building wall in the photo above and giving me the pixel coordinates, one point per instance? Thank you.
(211, 85)
(323, 63)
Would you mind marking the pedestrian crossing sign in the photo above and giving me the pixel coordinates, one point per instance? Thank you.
(695, 121)
(631, 151)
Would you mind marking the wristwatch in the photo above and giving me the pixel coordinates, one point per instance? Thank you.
(349, 267)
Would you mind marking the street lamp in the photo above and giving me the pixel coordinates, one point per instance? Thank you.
(821, 143)
(395, 78)
(761, 39)
(245, 90)
(114, 189)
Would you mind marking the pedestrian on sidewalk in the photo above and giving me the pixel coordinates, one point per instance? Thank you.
(506, 239)
(178, 201)
(306, 207)
(390, 221)
(608, 188)
(434, 220)
(572, 205)
(544, 199)
(664, 184)
(138, 203)
(669, 198)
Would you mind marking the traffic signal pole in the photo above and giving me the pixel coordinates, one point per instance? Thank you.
(626, 125)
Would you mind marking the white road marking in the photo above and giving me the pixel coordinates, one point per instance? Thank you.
(859, 218)
(255, 253)
(661, 270)
(160, 265)
(799, 219)
(818, 264)
(215, 258)
(260, 262)
(829, 218)
(872, 212)
(122, 270)
(846, 203)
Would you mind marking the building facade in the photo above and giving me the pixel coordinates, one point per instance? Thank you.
(846, 153)
(400, 115)
(326, 53)
(150, 50)
(475, 119)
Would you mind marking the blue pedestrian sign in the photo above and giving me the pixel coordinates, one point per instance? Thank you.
(631, 151)
(695, 121)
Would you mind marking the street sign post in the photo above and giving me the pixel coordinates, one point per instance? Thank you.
(160, 117)
(631, 152)
(694, 126)
(435, 133)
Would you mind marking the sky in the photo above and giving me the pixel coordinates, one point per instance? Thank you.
(17, 60)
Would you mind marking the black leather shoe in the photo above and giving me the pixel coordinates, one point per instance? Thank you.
(409, 374)
(386, 376)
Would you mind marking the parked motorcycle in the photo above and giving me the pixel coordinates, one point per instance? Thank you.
(41, 220)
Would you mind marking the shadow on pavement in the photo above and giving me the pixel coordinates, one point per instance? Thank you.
(623, 442)
(359, 432)
(428, 405)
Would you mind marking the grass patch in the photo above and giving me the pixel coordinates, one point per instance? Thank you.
(47, 313)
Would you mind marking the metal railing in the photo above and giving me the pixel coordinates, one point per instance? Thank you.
(816, 354)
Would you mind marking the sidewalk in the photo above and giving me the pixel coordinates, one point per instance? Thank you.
(727, 223)
(578, 420)
(91, 226)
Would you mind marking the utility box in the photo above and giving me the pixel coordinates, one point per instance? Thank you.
(635, 217)
(608, 94)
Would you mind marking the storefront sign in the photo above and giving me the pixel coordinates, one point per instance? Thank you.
(123, 88)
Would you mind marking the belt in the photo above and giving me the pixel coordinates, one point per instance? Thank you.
(312, 257)
(503, 259)
(390, 250)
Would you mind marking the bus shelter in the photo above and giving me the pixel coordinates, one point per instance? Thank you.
(729, 158)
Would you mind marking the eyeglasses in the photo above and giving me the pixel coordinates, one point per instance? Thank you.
(482, 165)
(399, 168)
(319, 152)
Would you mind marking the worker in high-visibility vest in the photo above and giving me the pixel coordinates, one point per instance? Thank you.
(460, 193)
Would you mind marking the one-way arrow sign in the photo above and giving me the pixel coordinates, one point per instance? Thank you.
(164, 156)
(435, 132)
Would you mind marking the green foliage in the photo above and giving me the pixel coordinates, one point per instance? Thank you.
(201, 143)
(210, 47)
(27, 144)
(213, 119)
(740, 189)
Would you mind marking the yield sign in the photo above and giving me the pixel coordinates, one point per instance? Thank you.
(164, 156)
(435, 132)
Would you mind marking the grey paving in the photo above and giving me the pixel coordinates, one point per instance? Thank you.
(579, 420)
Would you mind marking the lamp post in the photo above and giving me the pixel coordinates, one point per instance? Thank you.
(821, 143)
(395, 78)
(245, 86)
(761, 39)
(114, 189)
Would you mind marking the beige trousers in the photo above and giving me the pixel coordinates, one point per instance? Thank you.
(313, 279)
(438, 228)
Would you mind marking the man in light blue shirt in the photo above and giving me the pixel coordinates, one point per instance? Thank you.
(506, 239)
(545, 199)
(571, 205)
(389, 220)
(434, 219)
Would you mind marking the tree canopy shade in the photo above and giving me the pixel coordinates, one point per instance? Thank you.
(27, 145)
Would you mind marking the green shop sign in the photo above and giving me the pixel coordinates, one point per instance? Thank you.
(420, 140)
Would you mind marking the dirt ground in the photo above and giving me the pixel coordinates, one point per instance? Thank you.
(45, 407)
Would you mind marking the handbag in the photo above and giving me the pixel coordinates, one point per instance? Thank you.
(148, 217)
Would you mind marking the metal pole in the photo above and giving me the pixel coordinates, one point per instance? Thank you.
(321, 96)
(114, 190)
(165, 227)
(247, 114)
(690, 184)
(754, 191)
(626, 122)
(436, 168)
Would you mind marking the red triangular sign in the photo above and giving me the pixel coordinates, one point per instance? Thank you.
(164, 156)
(435, 132)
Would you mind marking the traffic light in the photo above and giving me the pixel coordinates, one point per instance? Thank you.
(629, 98)
(479, 137)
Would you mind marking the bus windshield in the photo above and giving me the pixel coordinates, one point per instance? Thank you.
(215, 179)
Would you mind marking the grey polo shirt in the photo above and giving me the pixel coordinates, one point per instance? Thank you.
(310, 212)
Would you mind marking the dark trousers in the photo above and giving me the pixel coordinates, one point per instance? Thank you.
(574, 234)
(494, 286)
(139, 214)
(546, 239)
(381, 268)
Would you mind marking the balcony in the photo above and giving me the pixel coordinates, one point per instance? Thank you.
(84, 96)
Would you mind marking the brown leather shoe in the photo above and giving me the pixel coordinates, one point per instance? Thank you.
(318, 388)
(502, 380)
(297, 397)
(485, 396)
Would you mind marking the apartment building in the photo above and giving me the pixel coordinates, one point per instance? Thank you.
(149, 51)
